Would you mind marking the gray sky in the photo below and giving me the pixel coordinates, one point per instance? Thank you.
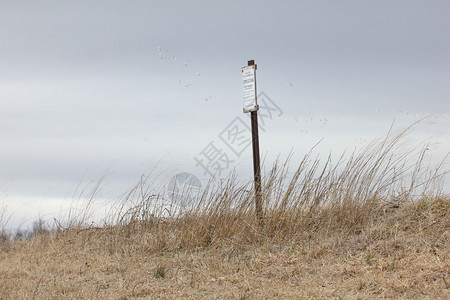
(125, 88)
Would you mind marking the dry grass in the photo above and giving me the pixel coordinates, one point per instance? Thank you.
(373, 226)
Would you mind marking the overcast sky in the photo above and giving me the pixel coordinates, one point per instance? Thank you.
(125, 88)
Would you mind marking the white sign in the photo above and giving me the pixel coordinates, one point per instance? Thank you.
(249, 89)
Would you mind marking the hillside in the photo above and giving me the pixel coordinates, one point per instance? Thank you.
(374, 225)
(400, 253)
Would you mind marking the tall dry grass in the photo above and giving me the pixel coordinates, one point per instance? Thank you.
(373, 224)
(318, 198)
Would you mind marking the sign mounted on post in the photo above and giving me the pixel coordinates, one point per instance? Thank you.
(249, 88)
(250, 105)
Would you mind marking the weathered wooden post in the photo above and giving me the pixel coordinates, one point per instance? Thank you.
(249, 98)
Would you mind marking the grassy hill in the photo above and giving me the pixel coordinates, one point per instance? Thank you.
(398, 253)
(375, 225)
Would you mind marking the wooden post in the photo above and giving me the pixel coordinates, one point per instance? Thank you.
(256, 158)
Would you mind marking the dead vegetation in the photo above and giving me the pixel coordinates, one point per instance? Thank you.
(374, 225)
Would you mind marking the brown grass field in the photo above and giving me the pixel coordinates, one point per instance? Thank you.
(372, 226)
